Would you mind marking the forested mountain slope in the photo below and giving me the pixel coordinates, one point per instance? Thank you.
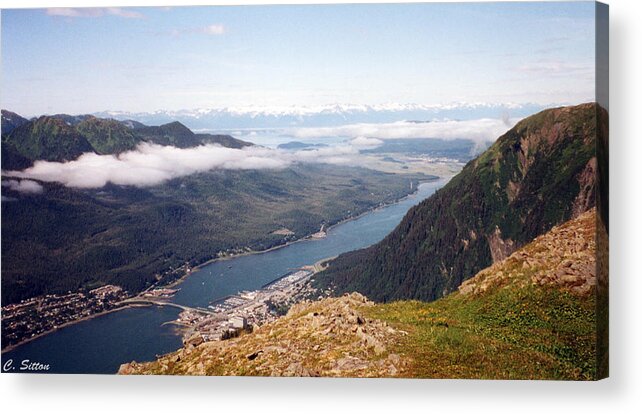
(538, 174)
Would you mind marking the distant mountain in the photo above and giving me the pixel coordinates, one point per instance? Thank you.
(459, 149)
(133, 124)
(539, 174)
(296, 145)
(47, 138)
(323, 115)
(223, 140)
(71, 119)
(174, 134)
(11, 120)
(66, 137)
(108, 136)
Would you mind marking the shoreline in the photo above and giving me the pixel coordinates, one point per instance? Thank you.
(302, 239)
(200, 266)
(67, 324)
(188, 330)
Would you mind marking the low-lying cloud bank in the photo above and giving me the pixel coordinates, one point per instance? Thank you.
(23, 186)
(478, 130)
(152, 164)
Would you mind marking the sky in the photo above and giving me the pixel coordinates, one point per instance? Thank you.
(147, 59)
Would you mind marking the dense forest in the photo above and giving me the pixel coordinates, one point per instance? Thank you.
(64, 238)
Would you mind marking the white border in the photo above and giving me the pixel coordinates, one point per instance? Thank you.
(620, 393)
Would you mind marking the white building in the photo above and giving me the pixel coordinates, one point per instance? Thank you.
(238, 322)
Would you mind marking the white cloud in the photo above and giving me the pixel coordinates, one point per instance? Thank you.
(366, 143)
(74, 12)
(152, 164)
(23, 186)
(210, 30)
(556, 68)
(94, 12)
(214, 29)
(125, 13)
(479, 130)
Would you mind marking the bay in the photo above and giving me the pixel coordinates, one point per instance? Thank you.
(99, 345)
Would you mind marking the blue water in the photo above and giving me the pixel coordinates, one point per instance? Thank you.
(101, 344)
(227, 277)
(272, 137)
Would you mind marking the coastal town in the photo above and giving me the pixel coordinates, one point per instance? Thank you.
(30, 318)
(246, 310)
(227, 318)
(221, 320)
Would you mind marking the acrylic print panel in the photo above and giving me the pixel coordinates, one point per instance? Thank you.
(372, 190)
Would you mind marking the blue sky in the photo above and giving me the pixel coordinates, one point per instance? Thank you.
(145, 59)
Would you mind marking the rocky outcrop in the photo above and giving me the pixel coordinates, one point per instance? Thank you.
(331, 337)
(499, 248)
(564, 258)
(587, 181)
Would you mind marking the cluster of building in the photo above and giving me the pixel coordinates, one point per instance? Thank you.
(35, 316)
(160, 293)
(106, 292)
(212, 327)
(228, 318)
(222, 320)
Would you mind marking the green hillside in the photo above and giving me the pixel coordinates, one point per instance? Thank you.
(46, 138)
(11, 120)
(174, 134)
(66, 137)
(530, 316)
(108, 136)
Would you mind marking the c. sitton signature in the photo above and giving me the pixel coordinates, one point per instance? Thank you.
(25, 365)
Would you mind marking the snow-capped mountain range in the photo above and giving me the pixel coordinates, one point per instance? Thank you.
(323, 115)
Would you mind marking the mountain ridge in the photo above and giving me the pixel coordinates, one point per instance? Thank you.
(323, 115)
(538, 174)
(11, 120)
(64, 137)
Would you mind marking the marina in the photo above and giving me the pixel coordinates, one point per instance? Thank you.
(247, 309)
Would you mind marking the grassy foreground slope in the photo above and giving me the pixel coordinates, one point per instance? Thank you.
(530, 316)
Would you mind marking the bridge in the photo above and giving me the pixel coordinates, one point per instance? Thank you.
(159, 302)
